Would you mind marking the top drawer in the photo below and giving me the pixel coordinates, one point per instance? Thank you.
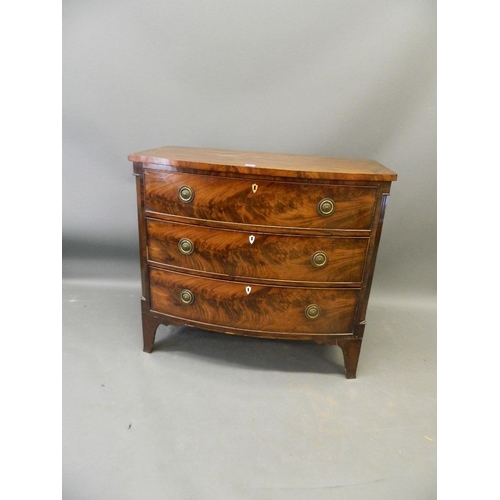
(256, 202)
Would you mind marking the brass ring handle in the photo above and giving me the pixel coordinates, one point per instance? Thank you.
(312, 311)
(186, 246)
(326, 207)
(187, 296)
(185, 194)
(319, 259)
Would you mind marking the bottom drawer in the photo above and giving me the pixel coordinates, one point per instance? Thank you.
(253, 307)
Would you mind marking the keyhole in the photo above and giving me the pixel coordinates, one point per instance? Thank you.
(254, 188)
(248, 289)
(251, 238)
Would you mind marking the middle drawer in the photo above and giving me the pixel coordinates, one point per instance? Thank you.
(244, 254)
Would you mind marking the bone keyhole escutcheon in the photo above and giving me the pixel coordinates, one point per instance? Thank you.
(254, 188)
(248, 289)
(251, 239)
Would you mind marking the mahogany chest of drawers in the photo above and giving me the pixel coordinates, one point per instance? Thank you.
(259, 244)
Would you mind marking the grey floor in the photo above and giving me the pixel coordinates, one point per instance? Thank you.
(212, 416)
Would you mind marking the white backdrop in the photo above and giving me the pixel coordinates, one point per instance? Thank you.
(349, 79)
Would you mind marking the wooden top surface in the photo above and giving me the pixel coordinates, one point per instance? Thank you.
(251, 162)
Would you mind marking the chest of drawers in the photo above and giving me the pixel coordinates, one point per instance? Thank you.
(259, 244)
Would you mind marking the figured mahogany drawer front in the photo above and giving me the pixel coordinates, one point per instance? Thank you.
(255, 202)
(253, 307)
(257, 255)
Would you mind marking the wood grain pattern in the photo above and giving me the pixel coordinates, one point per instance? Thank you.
(319, 338)
(273, 204)
(270, 309)
(258, 163)
(270, 256)
(274, 198)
